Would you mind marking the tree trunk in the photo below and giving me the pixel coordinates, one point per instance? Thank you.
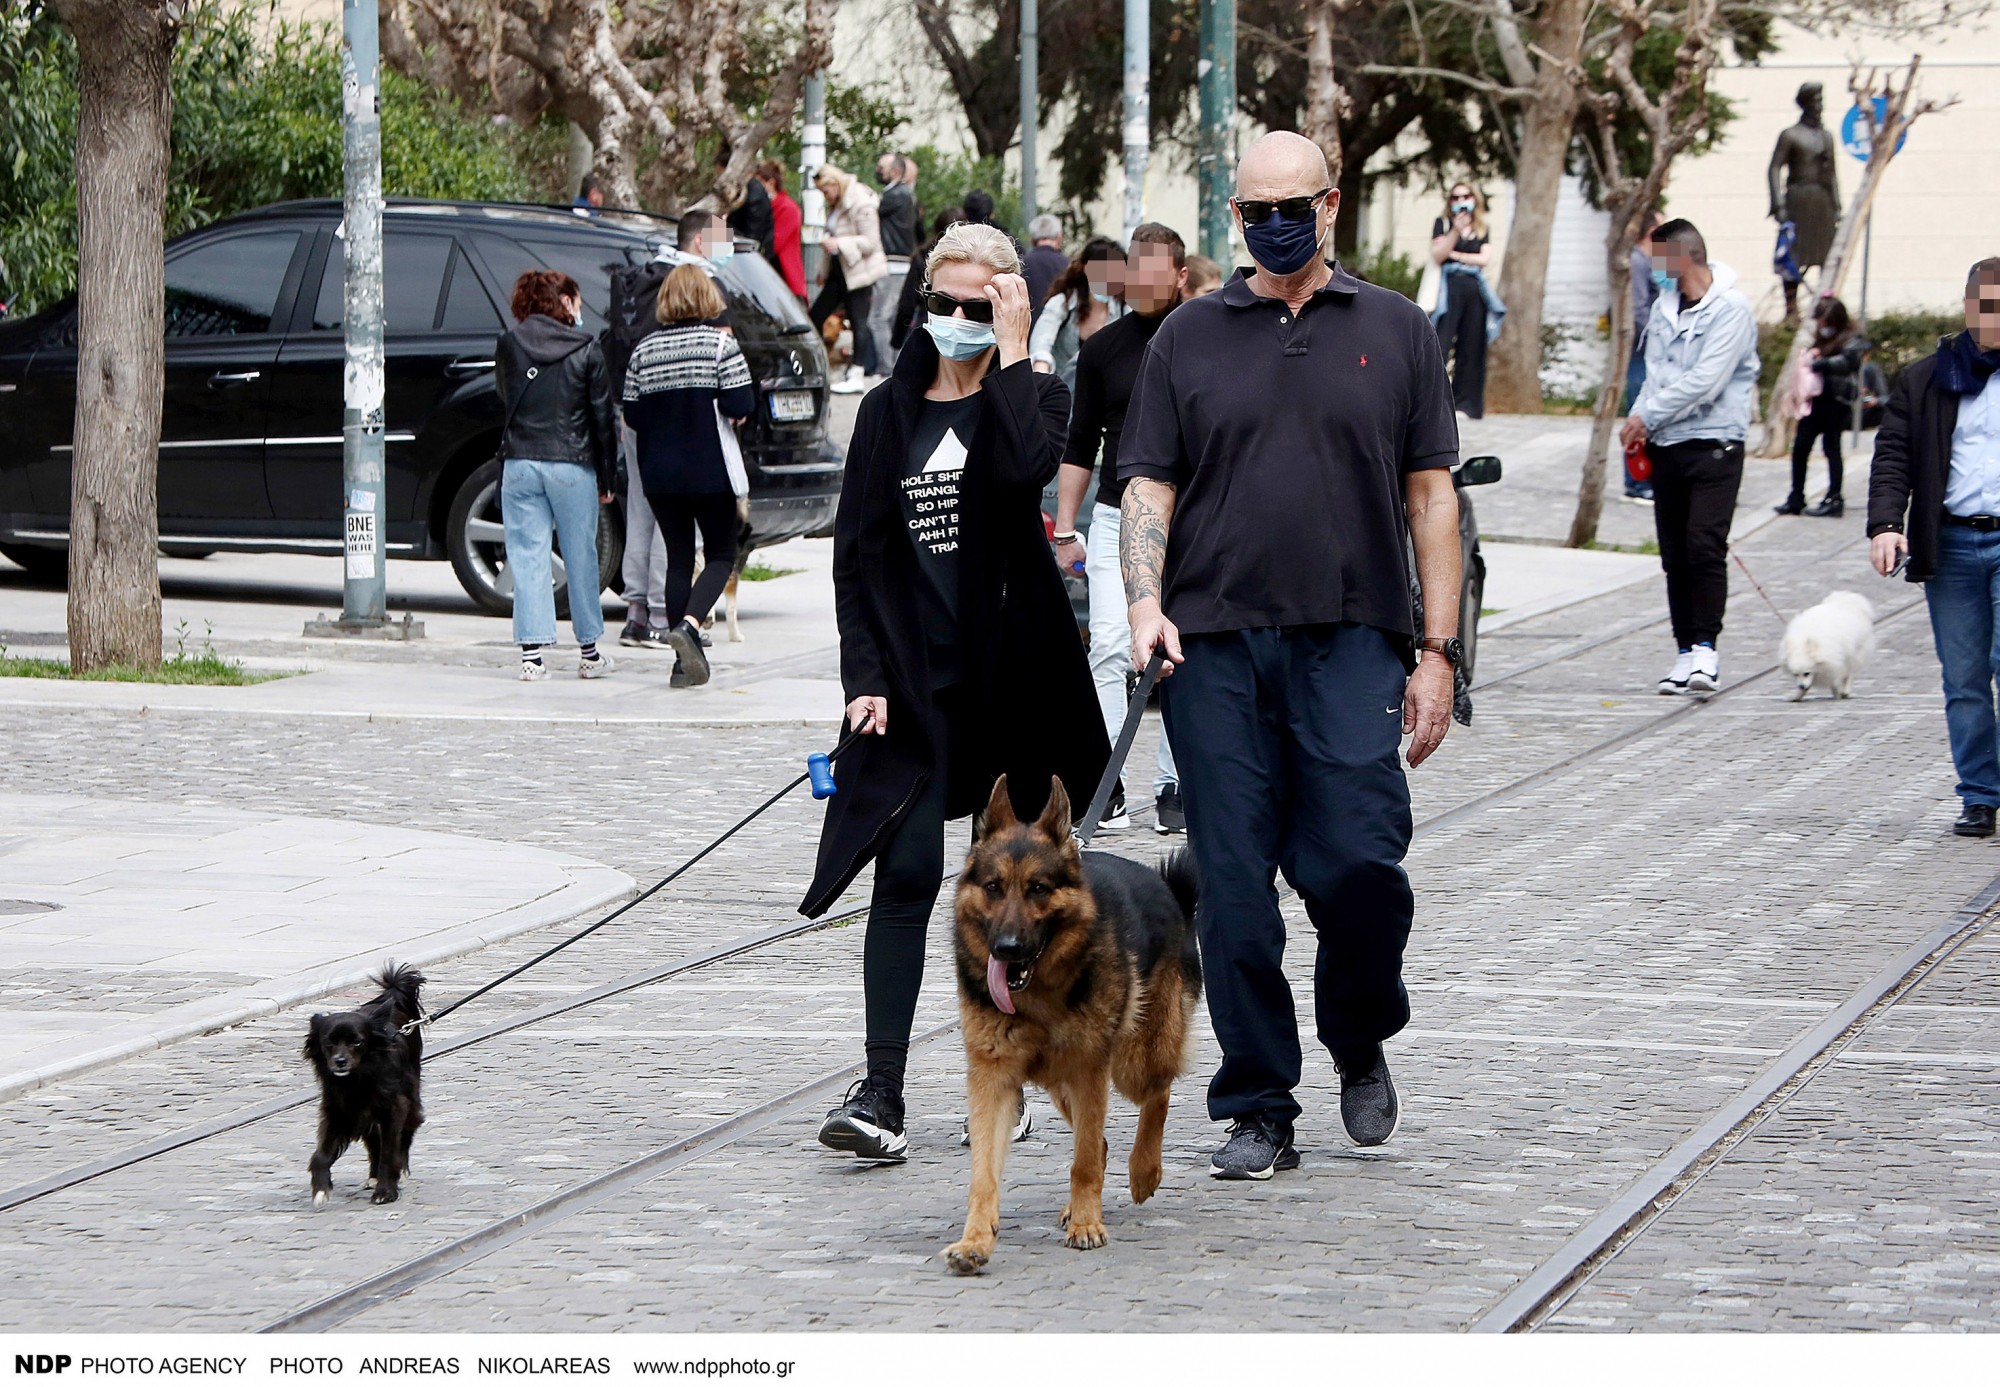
(1514, 366)
(1604, 419)
(124, 123)
(1326, 102)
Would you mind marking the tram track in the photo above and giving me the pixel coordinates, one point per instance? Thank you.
(339, 1307)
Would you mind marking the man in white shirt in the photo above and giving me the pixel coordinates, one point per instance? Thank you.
(1934, 502)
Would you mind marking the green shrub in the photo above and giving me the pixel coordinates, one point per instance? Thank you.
(1901, 338)
(256, 120)
(1390, 269)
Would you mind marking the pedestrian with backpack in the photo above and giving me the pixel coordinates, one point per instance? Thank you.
(560, 446)
(682, 383)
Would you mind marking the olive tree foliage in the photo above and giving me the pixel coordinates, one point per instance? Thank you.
(655, 85)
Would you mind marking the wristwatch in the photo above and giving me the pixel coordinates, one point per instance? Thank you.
(1451, 647)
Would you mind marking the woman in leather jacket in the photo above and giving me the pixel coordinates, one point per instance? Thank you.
(560, 446)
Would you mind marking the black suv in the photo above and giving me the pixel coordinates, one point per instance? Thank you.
(250, 441)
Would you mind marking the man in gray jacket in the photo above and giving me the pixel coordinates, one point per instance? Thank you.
(1692, 415)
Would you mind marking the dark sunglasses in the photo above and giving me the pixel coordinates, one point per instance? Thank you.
(1292, 209)
(979, 310)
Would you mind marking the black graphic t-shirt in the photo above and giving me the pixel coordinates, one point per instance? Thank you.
(931, 474)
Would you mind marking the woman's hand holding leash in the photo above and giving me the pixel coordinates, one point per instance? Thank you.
(870, 714)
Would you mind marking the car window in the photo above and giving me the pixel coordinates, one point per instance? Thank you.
(589, 263)
(228, 287)
(467, 305)
(413, 267)
(750, 275)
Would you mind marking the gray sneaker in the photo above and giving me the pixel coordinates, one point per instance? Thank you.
(1368, 1106)
(1257, 1146)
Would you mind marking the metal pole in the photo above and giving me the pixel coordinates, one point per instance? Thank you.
(1138, 67)
(364, 589)
(812, 153)
(1217, 151)
(1031, 41)
(1867, 247)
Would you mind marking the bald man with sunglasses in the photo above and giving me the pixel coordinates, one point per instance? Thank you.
(1287, 437)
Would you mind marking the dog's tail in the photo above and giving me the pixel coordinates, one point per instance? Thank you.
(405, 984)
(1178, 871)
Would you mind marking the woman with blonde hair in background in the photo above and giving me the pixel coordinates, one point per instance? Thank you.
(686, 383)
(1468, 312)
(854, 263)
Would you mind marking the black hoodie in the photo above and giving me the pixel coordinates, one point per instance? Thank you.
(557, 396)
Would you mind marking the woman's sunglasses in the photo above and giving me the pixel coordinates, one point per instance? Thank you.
(1292, 209)
(978, 310)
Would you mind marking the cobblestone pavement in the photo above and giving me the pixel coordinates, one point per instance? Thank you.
(1603, 958)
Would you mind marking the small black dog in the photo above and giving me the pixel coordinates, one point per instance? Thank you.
(370, 1076)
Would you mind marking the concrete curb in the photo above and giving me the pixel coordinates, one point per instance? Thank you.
(590, 886)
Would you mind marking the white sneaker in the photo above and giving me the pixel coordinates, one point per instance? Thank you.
(1707, 672)
(597, 668)
(532, 670)
(855, 384)
(1024, 1123)
(1676, 681)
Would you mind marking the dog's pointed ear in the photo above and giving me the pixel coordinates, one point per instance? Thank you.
(1055, 816)
(998, 814)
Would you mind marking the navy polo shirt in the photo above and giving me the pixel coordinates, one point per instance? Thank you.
(1288, 437)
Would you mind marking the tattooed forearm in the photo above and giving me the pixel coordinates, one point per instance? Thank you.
(1144, 516)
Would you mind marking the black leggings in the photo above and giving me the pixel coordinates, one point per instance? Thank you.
(908, 877)
(1824, 421)
(679, 516)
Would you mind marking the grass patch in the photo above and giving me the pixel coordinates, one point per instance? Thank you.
(764, 573)
(1649, 547)
(1491, 611)
(201, 667)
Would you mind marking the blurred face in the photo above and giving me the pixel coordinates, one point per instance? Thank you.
(1152, 284)
(1982, 313)
(1107, 277)
(885, 169)
(829, 189)
(595, 197)
(573, 306)
(1670, 258)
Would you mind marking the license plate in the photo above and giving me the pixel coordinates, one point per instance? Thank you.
(792, 406)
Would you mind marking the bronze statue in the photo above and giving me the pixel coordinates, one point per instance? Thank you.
(1809, 197)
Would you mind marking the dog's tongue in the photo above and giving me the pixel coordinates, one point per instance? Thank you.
(996, 983)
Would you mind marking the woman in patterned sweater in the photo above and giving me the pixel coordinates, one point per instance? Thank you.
(683, 383)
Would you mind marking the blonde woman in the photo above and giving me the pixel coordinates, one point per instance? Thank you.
(1465, 316)
(958, 650)
(851, 251)
(683, 381)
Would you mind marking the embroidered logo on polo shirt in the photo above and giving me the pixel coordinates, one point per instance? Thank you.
(1364, 358)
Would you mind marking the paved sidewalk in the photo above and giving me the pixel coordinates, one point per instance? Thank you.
(127, 926)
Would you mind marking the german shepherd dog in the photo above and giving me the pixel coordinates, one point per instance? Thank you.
(370, 1083)
(1076, 971)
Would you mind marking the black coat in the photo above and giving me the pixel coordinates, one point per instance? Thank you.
(1028, 708)
(563, 412)
(1913, 464)
(1839, 370)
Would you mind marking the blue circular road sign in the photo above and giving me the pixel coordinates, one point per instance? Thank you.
(1856, 135)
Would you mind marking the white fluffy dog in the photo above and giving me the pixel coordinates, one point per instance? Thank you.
(1828, 644)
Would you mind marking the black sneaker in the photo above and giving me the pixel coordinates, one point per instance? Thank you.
(1168, 816)
(869, 1124)
(685, 638)
(1975, 822)
(633, 634)
(1368, 1106)
(1257, 1146)
(1024, 1123)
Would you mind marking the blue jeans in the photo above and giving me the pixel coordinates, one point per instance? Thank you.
(539, 501)
(1963, 598)
(1288, 740)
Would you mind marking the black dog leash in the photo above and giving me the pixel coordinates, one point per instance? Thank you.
(1086, 829)
(818, 771)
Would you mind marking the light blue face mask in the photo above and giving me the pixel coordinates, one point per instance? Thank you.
(722, 254)
(1663, 281)
(959, 338)
(1106, 299)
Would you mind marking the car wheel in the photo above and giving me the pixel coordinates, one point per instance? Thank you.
(1469, 602)
(42, 562)
(476, 542)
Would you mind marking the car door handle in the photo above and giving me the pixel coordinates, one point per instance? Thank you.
(222, 380)
(469, 366)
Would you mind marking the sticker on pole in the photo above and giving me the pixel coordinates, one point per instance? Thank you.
(361, 544)
(1857, 128)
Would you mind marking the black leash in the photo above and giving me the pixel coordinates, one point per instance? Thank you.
(1086, 828)
(818, 771)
